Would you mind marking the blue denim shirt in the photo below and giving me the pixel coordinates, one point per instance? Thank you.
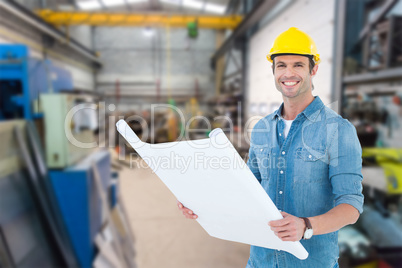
(317, 167)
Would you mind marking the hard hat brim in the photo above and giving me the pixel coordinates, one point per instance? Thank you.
(315, 58)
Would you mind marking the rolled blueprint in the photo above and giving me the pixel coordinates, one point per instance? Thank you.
(209, 177)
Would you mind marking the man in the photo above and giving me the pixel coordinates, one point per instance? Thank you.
(308, 160)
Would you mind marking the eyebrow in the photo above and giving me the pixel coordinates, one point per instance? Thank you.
(298, 62)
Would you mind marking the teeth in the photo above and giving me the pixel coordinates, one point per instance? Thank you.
(290, 83)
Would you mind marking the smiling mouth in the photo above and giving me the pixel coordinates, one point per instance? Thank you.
(290, 83)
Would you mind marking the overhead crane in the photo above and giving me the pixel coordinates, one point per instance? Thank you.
(73, 18)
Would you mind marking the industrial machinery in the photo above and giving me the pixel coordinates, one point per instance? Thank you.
(80, 203)
(371, 90)
(69, 214)
(71, 124)
(390, 163)
(32, 233)
(23, 79)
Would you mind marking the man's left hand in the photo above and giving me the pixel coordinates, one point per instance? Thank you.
(290, 228)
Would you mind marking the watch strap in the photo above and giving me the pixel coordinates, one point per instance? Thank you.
(307, 222)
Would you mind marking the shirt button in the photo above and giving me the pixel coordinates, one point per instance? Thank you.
(309, 156)
(280, 192)
(281, 171)
(280, 134)
(283, 152)
(261, 150)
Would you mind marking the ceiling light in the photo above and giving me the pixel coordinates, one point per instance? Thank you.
(173, 2)
(193, 4)
(149, 32)
(110, 3)
(220, 9)
(136, 1)
(87, 5)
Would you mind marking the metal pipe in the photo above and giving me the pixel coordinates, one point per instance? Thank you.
(46, 29)
(337, 54)
(387, 74)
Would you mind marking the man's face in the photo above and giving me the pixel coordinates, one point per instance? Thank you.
(292, 75)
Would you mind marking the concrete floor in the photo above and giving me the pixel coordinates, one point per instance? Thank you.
(163, 237)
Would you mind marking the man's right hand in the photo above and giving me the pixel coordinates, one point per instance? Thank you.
(188, 213)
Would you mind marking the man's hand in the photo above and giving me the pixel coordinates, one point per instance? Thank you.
(188, 213)
(290, 228)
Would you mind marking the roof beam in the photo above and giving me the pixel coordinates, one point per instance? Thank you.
(155, 5)
(30, 18)
(384, 9)
(232, 7)
(73, 3)
(252, 18)
(66, 18)
(128, 5)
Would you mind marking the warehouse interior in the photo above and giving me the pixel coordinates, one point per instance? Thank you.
(74, 193)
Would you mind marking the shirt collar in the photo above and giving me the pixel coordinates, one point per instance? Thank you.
(311, 111)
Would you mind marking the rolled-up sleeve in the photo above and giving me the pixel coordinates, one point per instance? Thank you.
(345, 165)
(253, 164)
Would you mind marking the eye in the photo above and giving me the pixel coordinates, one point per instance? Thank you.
(299, 65)
(280, 66)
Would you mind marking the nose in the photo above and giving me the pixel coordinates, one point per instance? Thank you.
(289, 71)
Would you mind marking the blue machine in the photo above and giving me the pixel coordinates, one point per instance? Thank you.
(80, 203)
(22, 79)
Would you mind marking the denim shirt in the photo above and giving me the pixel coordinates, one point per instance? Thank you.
(317, 167)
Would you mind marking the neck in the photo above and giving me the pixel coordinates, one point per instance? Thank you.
(292, 107)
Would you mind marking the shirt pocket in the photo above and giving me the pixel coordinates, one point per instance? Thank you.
(263, 155)
(311, 166)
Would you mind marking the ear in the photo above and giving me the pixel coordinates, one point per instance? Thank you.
(314, 70)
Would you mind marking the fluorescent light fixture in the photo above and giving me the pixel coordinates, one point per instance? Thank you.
(136, 1)
(173, 2)
(193, 4)
(220, 9)
(148, 32)
(90, 4)
(111, 3)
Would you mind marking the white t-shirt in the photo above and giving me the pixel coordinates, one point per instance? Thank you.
(288, 124)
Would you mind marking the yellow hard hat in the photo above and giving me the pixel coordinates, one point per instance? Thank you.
(294, 41)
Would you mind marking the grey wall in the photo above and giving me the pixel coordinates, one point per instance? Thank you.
(83, 34)
(261, 91)
(139, 61)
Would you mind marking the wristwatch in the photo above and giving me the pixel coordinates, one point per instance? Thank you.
(308, 233)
